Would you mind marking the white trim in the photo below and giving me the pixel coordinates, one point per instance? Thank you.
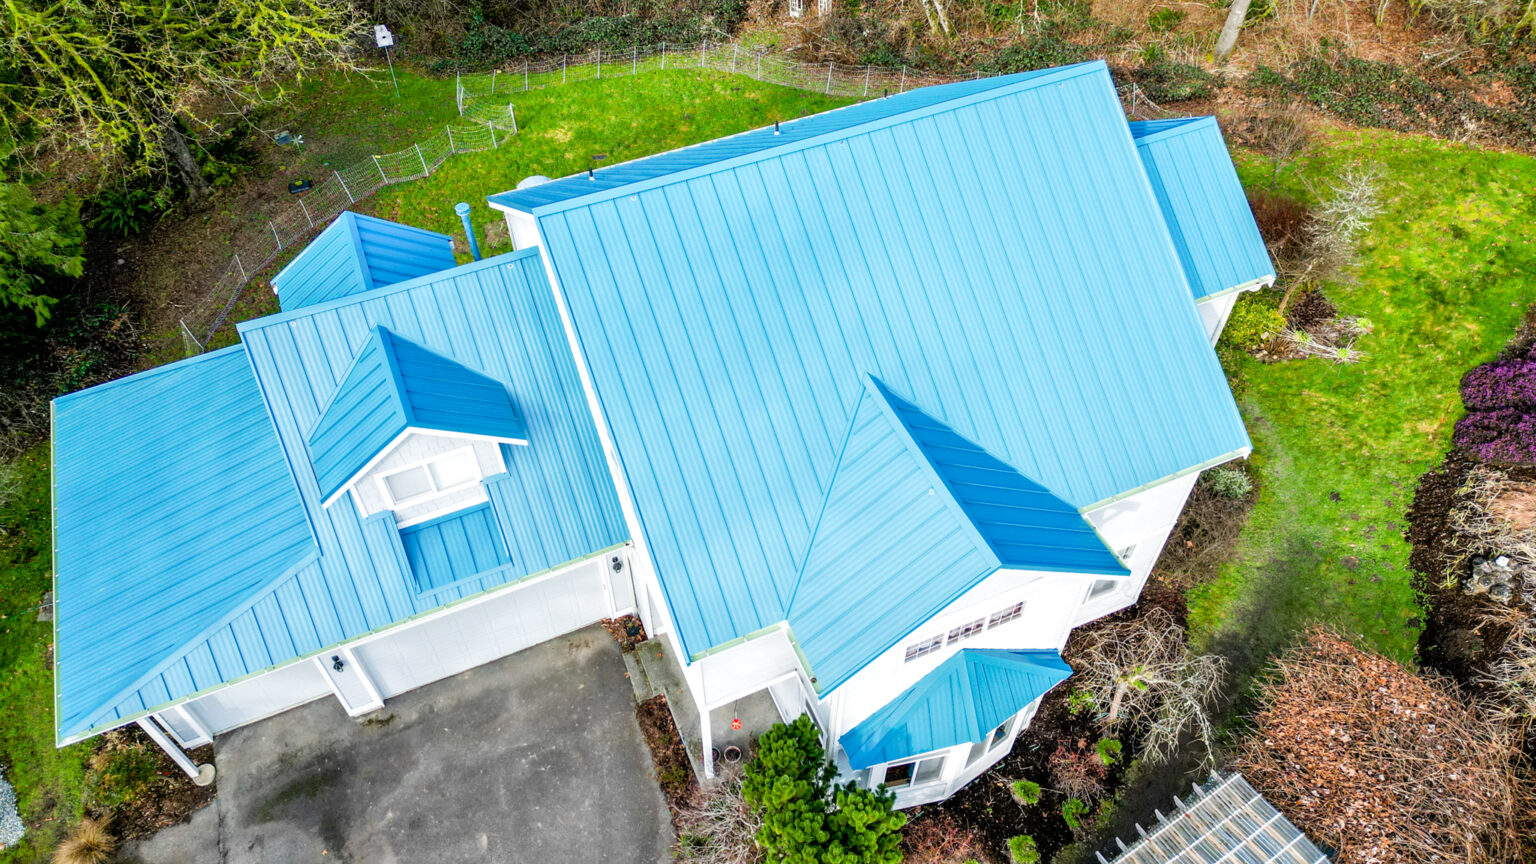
(375, 701)
(202, 736)
(179, 756)
(398, 439)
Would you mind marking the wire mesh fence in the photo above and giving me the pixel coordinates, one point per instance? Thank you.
(488, 121)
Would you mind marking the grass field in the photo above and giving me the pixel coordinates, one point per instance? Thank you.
(563, 130)
(1445, 275)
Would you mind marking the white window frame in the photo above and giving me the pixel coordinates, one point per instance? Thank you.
(1101, 588)
(1004, 615)
(425, 464)
(966, 630)
(924, 647)
(917, 764)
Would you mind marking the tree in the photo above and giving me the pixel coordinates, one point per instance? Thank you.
(123, 76)
(1143, 671)
(37, 243)
(806, 818)
(1230, 28)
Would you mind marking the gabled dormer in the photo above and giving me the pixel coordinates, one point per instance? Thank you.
(359, 253)
(411, 432)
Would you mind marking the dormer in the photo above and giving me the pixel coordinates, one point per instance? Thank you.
(412, 432)
(358, 253)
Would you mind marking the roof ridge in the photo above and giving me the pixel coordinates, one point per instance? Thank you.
(821, 512)
(1023, 81)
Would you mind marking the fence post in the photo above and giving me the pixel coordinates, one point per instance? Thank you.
(735, 50)
(458, 87)
(525, 76)
(241, 268)
(306, 213)
(903, 79)
(634, 60)
(829, 77)
(512, 112)
(759, 65)
(382, 176)
(451, 148)
(599, 64)
(492, 127)
(423, 159)
(493, 82)
(703, 46)
(350, 199)
(275, 234)
(866, 80)
(663, 55)
(562, 68)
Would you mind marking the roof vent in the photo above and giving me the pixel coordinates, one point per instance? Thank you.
(532, 181)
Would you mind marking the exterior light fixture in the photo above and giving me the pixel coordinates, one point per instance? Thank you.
(336, 663)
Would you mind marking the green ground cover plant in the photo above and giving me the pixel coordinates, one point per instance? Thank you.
(1445, 274)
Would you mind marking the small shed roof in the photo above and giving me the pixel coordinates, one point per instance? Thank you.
(395, 385)
(357, 253)
(1225, 820)
(960, 701)
(1204, 204)
(173, 503)
(909, 490)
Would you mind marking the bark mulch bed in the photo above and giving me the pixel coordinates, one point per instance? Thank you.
(667, 752)
(170, 799)
(627, 630)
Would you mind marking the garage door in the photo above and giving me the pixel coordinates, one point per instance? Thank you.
(253, 699)
(416, 654)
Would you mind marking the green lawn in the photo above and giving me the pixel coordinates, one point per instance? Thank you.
(563, 130)
(1445, 275)
(48, 781)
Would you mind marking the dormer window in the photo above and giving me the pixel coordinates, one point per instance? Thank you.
(419, 483)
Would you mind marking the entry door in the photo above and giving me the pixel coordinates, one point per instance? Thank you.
(349, 682)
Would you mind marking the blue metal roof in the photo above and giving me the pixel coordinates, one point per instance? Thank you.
(998, 257)
(394, 385)
(357, 253)
(1203, 203)
(755, 142)
(909, 495)
(455, 547)
(555, 504)
(173, 504)
(960, 701)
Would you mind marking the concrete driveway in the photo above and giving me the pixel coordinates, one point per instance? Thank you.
(533, 758)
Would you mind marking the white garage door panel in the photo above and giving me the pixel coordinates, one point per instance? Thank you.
(407, 658)
(263, 696)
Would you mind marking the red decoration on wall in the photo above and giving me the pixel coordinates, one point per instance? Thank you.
(736, 723)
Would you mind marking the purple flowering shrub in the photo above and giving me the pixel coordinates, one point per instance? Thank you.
(1500, 425)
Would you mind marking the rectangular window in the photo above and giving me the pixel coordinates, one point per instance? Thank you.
(923, 648)
(915, 773)
(446, 473)
(1101, 587)
(966, 631)
(1003, 616)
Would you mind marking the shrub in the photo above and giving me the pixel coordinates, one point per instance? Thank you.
(1078, 701)
(805, 818)
(1169, 81)
(1108, 750)
(1233, 483)
(1076, 770)
(1164, 19)
(1022, 850)
(120, 772)
(1417, 769)
(89, 842)
(1026, 792)
(1253, 322)
(1072, 811)
(128, 210)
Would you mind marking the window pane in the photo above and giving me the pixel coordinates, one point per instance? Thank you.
(898, 775)
(1003, 616)
(977, 751)
(966, 630)
(927, 646)
(1000, 734)
(407, 484)
(929, 770)
(1101, 587)
(455, 469)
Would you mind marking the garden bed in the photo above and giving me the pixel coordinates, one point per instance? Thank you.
(667, 752)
